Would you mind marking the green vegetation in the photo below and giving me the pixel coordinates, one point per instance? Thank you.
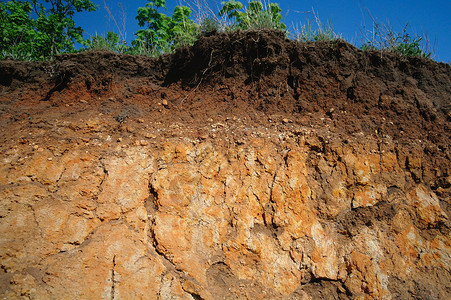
(209, 25)
(255, 16)
(39, 29)
(164, 33)
(111, 42)
(383, 37)
(315, 31)
(50, 31)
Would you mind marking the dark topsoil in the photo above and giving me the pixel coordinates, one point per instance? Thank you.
(257, 72)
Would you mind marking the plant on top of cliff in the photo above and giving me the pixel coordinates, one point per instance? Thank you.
(38, 29)
(164, 33)
(315, 31)
(256, 16)
(383, 37)
(112, 42)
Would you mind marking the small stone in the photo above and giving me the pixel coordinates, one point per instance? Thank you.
(149, 135)
(143, 143)
(119, 140)
(164, 103)
(191, 287)
(50, 158)
(140, 121)
(83, 101)
(286, 121)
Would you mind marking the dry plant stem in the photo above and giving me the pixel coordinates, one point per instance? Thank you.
(121, 29)
(202, 10)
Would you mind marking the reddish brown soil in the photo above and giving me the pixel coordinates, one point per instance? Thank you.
(259, 78)
(248, 74)
(249, 81)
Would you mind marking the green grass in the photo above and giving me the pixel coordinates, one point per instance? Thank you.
(314, 31)
(111, 42)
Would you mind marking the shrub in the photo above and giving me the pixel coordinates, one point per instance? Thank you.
(255, 16)
(164, 33)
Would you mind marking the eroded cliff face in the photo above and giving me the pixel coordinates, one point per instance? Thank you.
(130, 194)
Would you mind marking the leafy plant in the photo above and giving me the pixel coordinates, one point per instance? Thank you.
(164, 33)
(16, 30)
(57, 26)
(51, 31)
(255, 16)
(409, 46)
(383, 37)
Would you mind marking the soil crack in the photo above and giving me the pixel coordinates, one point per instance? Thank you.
(113, 280)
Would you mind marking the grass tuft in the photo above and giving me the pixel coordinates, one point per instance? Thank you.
(314, 31)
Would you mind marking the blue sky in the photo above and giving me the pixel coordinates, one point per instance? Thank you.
(430, 18)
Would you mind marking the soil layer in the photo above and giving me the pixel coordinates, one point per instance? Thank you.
(245, 166)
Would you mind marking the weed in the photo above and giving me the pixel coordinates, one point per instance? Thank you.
(111, 42)
(315, 31)
(143, 48)
(382, 36)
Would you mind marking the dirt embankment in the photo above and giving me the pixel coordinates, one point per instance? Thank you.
(246, 166)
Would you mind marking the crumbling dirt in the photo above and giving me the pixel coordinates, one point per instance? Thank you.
(341, 159)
